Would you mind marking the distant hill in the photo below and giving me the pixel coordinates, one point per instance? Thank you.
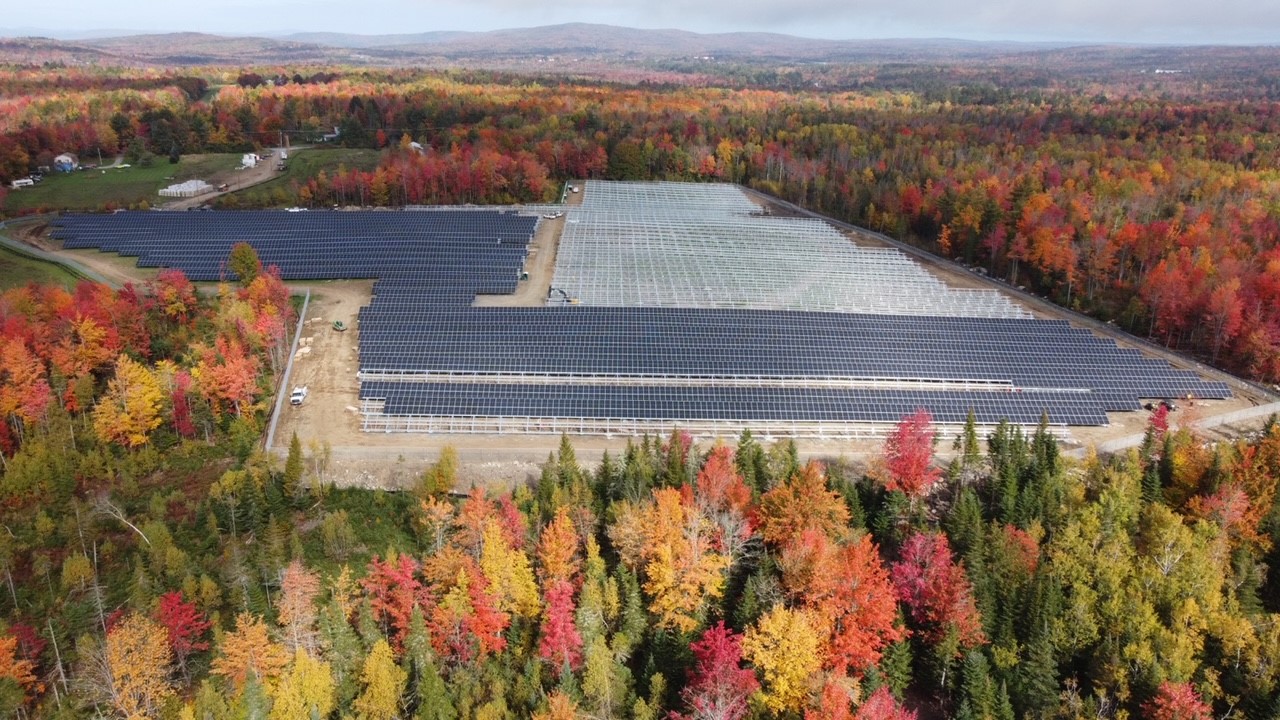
(347, 40)
(578, 40)
(588, 39)
(202, 49)
(594, 46)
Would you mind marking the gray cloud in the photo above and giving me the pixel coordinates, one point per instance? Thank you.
(1172, 21)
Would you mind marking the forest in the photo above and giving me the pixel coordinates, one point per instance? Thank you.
(1152, 203)
(157, 564)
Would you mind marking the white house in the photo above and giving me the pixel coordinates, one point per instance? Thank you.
(249, 160)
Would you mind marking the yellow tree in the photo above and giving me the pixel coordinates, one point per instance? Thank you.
(249, 649)
(509, 574)
(138, 655)
(672, 542)
(383, 684)
(306, 691)
(785, 648)
(559, 707)
(558, 548)
(130, 409)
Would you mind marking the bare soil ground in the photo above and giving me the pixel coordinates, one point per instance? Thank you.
(540, 266)
(326, 362)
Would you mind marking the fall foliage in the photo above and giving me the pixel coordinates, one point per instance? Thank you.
(139, 657)
(675, 575)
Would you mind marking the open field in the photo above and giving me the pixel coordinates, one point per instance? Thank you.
(17, 269)
(303, 166)
(120, 187)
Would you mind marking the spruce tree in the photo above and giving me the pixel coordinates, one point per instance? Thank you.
(291, 482)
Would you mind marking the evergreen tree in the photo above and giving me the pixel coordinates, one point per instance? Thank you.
(978, 690)
(964, 524)
(252, 703)
(966, 468)
(637, 472)
(1036, 679)
(895, 665)
(291, 482)
(343, 651)
(749, 460)
(608, 482)
(675, 460)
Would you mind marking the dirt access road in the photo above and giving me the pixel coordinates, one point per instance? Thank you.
(239, 179)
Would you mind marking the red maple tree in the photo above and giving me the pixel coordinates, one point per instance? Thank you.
(908, 453)
(719, 687)
(561, 645)
(184, 623)
(936, 591)
(1176, 701)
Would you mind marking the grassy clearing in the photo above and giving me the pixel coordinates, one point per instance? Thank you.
(121, 187)
(303, 166)
(17, 270)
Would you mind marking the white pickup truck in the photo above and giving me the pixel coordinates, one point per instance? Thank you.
(299, 394)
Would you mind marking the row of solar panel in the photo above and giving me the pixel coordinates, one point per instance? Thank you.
(583, 313)
(1117, 396)
(259, 218)
(770, 328)
(529, 341)
(648, 335)
(458, 254)
(726, 403)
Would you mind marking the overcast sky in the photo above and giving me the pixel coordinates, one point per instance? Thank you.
(1140, 21)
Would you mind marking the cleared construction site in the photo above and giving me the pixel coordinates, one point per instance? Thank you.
(690, 305)
(639, 307)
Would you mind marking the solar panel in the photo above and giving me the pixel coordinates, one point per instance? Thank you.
(641, 352)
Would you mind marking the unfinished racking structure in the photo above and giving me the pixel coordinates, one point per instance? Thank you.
(670, 244)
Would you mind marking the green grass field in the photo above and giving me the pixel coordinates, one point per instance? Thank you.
(303, 166)
(94, 189)
(17, 270)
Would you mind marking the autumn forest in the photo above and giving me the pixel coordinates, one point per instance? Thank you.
(156, 563)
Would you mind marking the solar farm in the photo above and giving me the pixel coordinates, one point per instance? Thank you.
(671, 305)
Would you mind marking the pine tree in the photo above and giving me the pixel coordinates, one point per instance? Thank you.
(1036, 681)
(434, 700)
(343, 651)
(607, 481)
(749, 459)
(291, 482)
(977, 688)
(252, 703)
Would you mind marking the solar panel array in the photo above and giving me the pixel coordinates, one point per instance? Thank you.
(430, 361)
(455, 253)
(708, 245)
